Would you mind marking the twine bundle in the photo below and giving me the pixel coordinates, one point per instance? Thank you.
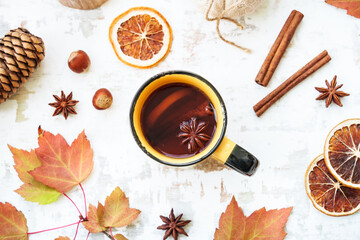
(230, 10)
(82, 4)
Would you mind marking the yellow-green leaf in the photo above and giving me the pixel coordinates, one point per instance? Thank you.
(38, 192)
(32, 190)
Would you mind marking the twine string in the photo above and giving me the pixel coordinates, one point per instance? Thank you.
(222, 16)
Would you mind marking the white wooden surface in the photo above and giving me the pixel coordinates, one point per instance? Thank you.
(285, 139)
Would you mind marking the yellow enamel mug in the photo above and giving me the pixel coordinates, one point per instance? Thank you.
(220, 148)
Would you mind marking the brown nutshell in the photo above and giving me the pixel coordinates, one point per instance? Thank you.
(79, 61)
(102, 99)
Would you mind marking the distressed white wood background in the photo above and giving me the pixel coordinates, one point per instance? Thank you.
(285, 139)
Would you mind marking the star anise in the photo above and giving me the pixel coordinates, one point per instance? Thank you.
(173, 226)
(193, 134)
(64, 105)
(331, 93)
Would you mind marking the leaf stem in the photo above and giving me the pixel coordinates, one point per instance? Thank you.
(82, 189)
(29, 233)
(74, 204)
(108, 235)
(77, 228)
(111, 233)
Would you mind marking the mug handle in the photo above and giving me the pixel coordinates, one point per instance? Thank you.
(235, 157)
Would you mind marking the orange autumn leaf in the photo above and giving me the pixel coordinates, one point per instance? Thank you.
(232, 223)
(93, 224)
(120, 237)
(62, 238)
(12, 223)
(261, 224)
(352, 6)
(63, 166)
(116, 210)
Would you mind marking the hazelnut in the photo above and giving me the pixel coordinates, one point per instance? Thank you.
(102, 99)
(79, 61)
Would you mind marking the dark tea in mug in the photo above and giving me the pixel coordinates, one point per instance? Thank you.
(178, 120)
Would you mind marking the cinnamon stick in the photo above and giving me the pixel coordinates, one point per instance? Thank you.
(315, 64)
(278, 49)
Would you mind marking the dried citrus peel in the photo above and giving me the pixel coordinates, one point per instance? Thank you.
(141, 37)
(342, 152)
(326, 193)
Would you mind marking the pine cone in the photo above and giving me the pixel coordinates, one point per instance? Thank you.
(20, 54)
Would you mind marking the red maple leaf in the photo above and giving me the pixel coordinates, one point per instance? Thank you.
(261, 224)
(63, 166)
(352, 6)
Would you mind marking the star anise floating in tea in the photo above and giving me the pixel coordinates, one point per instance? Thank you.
(193, 134)
(64, 105)
(330, 93)
(173, 226)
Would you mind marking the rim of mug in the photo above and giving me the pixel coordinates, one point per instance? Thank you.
(157, 76)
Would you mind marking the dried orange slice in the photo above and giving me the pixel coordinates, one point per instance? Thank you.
(141, 37)
(327, 194)
(342, 152)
